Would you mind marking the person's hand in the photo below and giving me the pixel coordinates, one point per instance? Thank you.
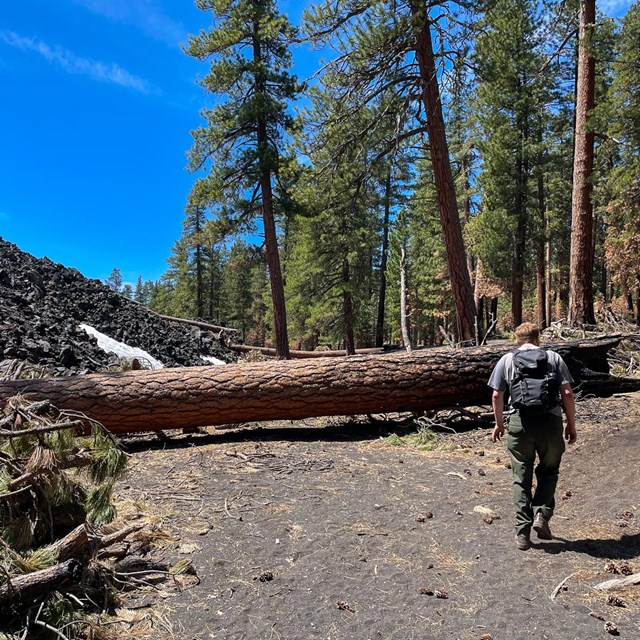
(498, 432)
(570, 433)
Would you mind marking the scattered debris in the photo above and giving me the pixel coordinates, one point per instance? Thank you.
(611, 628)
(614, 601)
(560, 586)
(345, 606)
(265, 576)
(616, 583)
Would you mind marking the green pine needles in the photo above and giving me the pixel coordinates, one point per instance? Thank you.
(51, 479)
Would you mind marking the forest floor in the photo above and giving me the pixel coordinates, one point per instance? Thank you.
(334, 530)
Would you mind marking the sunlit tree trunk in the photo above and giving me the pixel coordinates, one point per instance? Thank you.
(581, 263)
(443, 176)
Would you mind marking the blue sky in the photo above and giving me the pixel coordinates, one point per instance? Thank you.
(98, 103)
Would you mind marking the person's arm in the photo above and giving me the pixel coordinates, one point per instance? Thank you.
(569, 404)
(497, 402)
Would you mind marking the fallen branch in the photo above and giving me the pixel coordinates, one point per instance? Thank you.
(617, 583)
(27, 587)
(297, 354)
(74, 462)
(18, 433)
(556, 591)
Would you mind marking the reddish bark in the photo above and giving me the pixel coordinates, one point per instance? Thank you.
(443, 176)
(293, 389)
(581, 261)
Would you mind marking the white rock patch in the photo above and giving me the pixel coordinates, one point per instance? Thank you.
(122, 350)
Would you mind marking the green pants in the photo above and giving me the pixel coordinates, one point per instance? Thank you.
(528, 436)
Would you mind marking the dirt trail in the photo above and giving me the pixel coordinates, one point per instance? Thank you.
(335, 533)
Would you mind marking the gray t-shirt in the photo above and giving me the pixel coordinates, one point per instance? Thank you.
(504, 372)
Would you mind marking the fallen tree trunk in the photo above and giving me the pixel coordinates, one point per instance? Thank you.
(293, 389)
(267, 351)
(27, 587)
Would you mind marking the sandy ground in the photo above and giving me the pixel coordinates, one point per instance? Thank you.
(334, 532)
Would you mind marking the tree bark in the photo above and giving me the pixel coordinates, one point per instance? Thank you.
(277, 390)
(404, 321)
(27, 587)
(443, 176)
(383, 262)
(281, 336)
(581, 261)
(541, 289)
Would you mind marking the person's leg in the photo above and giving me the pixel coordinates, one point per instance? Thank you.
(522, 450)
(550, 447)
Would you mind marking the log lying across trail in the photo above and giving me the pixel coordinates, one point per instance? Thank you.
(293, 389)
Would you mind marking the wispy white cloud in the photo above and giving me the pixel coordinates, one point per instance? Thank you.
(144, 15)
(615, 8)
(102, 71)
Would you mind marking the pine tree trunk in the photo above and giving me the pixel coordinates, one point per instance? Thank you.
(383, 262)
(478, 299)
(541, 289)
(443, 176)
(347, 310)
(25, 588)
(581, 262)
(281, 337)
(547, 266)
(294, 389)
(199, 270)
(404, 320)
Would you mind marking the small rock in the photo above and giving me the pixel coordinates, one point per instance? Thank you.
(425, 591)
(487, 519)
(597, 616)
(566, 495)
(480, 453)
(482, 472)
(443, 594)
(507, 465)
(486, 636)
(467, 472)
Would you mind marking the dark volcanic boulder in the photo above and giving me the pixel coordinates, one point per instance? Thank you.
(42, 305)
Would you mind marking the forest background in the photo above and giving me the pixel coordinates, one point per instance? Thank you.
(427, 171)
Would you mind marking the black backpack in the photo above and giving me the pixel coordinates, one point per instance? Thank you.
(535, 388)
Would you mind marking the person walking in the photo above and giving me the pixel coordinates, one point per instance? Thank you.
(539, 386)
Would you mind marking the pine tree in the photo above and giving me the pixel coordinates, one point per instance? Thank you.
(138, 294)
(115, 280)
(241, 145)
(623, 212)
(395, 49)
(581, 268)
(510, 97)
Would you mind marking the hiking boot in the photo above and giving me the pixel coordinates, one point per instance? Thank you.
(541, 527)
(523, 541)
